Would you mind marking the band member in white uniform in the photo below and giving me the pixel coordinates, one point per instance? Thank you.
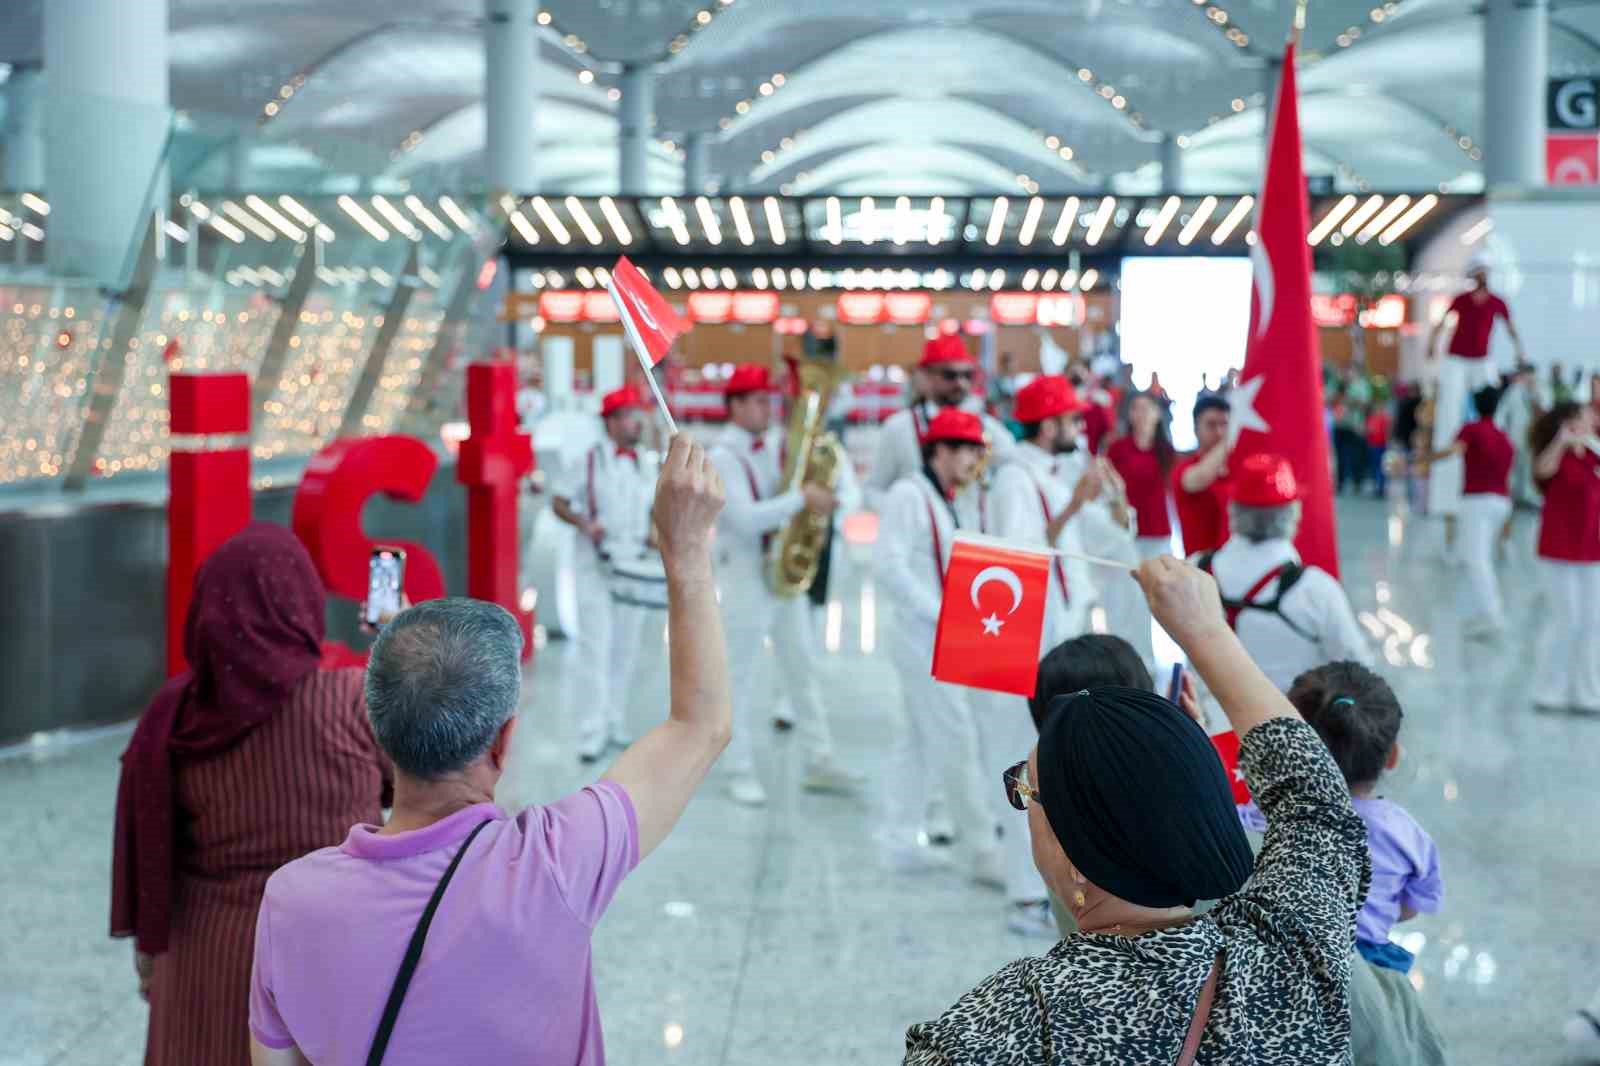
(1290, 617)
(947, 370)
(920, 516)
(1031, 504)
(607, 498)
(747, 455)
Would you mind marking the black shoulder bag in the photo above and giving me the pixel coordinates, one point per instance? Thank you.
(408, 965)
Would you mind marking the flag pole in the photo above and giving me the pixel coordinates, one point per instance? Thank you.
(996, 542)
(1299, 23)
(637, 344)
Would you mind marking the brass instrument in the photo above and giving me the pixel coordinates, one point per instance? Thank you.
(814, 457)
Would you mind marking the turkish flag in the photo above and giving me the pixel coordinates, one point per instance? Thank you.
(992, 616)
(1277, 406)
(650, 322)
(1227, 745)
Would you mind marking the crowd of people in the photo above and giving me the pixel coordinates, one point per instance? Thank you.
(280, 917)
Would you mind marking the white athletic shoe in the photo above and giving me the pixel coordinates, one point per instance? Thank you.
(619, 737)
(747, 790)
(913, 857)
(1033, 919)
(941, 830)
(989, 868)
(1583, 1036)
(822, 775)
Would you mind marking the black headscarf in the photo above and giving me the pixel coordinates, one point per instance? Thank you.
(1138, 798)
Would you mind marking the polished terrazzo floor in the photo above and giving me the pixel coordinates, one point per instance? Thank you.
(776, 936)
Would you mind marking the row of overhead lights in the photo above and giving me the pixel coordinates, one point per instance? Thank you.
(11, 225)
(765, 89)
(797, 279)
(1219, 18)
(1386, 220)
(556, 227)
(1109, 94)
(701, 20)
(1098, 219)
(291, 219)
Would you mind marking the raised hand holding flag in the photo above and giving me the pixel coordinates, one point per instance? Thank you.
(992, 616)
(649, 321)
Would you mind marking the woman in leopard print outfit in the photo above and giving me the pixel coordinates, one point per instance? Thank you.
(1124, 990)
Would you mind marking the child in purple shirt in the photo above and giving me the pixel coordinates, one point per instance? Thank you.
(1358, 717)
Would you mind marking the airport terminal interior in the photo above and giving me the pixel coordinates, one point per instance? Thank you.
(1307, 293)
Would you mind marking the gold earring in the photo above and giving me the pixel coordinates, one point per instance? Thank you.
(1078, 899)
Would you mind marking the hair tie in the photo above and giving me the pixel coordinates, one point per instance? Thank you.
(1341, 699)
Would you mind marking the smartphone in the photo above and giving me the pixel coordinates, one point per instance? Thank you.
(1175, 686)
(386, 575)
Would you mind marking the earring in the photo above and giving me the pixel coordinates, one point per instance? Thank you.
(1078, 899)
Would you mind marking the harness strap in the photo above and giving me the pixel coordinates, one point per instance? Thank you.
(1055, 560)
(755, 494)
(938, 542)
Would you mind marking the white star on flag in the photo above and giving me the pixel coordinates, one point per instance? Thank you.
(1238, 774)
(1242, 413)
(991, 625)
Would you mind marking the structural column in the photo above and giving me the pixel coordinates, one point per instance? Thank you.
(237, 173)
(1171, 164)
(106, 121)
(1516, 45)
(638, 118)
(510, 94)
(696, 163)
(25, 130)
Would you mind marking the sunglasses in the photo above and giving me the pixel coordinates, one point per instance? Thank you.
(1019, 791)
(956, 375)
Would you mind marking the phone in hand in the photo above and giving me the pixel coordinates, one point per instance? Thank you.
(386, 575)
(1175, 686)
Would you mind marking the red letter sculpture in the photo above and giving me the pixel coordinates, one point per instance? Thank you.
(492, 463)
(202, 404)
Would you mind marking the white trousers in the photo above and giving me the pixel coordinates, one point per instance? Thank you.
(1127, 613)
(936, 745)
(750, 614)
(1482, 516)
(1005, 735)
(1569, 643)
(607, 647)
(1458, 379)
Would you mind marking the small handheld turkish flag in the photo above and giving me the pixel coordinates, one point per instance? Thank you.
(992, 616)
(1227, 745)
(649, 321)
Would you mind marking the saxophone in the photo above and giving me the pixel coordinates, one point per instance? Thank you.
(813, 456)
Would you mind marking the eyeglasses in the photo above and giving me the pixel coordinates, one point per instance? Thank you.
(1019, 792)
(956, 375)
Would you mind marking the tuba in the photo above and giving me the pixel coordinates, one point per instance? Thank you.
(812, 456)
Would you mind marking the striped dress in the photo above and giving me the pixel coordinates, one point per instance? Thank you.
(295, 784)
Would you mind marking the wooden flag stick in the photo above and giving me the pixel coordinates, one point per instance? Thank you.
(1093, 560)
(642, 354)
(996, 542)
(1299, 22)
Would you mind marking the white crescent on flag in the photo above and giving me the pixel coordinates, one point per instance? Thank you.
(1265, 286)
(644, 315)
(1006, 577)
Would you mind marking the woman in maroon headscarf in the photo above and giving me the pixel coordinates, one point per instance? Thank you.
(254, 757)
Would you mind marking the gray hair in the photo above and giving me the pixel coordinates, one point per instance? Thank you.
(1257, 524)
(442, 679)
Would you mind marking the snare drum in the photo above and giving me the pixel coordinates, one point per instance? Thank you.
(639, 582)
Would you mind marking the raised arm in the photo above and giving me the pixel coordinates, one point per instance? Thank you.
(662, 770)
(1204, 473)
(1548, 462)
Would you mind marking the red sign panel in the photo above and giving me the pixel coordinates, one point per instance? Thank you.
(1572, 160)
(755, 308)
(792, 326)
(861, 308)
(599, 307)
(908, 308)
(1333, 309)
(562, 306)
(1014, 308)
(712, 307)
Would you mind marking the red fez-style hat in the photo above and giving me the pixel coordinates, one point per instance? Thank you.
(623, 399)
(1264, 480)
(748, 377)
(954, 426)
(1045, 397)
(946, 349)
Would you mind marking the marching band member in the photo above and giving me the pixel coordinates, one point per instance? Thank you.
(1143, 459)
(920, 516)
(747, 457)
(1487, 455)
(1290, 617)
(1566, 467)
(947, 370)
(607, 498)
(1200, 481)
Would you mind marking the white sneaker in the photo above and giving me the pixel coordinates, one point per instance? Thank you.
(619, 737)
(941, 830)
(989, 869)
(1033, 919)
(1583, 1036)
(913, 857)
(590, 753)
(747, 790)
(823, 776)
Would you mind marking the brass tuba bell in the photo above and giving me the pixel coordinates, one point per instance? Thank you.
(812, 456)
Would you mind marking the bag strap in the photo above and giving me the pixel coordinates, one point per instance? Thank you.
(1202, 1014)
(408, 965)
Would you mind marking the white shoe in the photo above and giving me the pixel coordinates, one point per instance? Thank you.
(590, 753)
(1583, 1036)
(989, 869)
(747, 790)
(914, 857)
(1033, 919)
(823, 776)
(619, 737)
(941, 830)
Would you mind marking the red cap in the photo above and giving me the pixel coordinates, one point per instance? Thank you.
(946, 348)
(1045, 397)
(956, 426)
(623, 399)
(1264, 480)
(748, 377)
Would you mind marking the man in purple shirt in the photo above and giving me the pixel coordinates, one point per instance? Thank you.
(504, 973)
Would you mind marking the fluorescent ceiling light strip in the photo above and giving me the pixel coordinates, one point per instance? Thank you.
(1359, 219)
(1030, 279)
(1030, 222)
(1409, 219)
(1069, 215)
(1102, 219)
(1090, 276)
(428, 218)
(869, 220)
(1335, 214)
(551, 221)
(34, 233)
(586, 226)
(729, 279)
(175, 231)
(275, 217)
(614, 219)
(675, 220)
(362, 219)
(216, 222)
(34, 203)
(462, 220)
(1221, 234)
(1069, 280)
(523, 227)
(671, 274)
(775, 221)
(997, 220)
(1197, 221)
(1169, 211)
(835, 223)
(759, 276)
(708, 220)
(741, 222)
(902, 219)
(1478, 232)
(797, 278)
(1382, 219)
(400, 222)
(1049, 279)
(936, 219)
(248, 221)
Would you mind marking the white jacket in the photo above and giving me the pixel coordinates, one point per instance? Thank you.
(899, 451)
(616, 492)
(915, 532)
(1022, 493)
(753, 509)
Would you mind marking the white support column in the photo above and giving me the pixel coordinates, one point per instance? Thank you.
(510, 94)
(236, 175)
(25, 130)
(696, 163)
(1171, 157)
(638, 121)
(1516, 52)
(106, 119)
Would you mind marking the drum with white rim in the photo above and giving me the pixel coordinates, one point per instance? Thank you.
(639, 582)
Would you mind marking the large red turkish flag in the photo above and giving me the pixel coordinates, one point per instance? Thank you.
(992, 616)
(1277, 406)
(650, 322)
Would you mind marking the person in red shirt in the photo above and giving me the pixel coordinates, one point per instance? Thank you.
(1566, 468)
(1143, 458)
(1379, 423)
(1200, 481)
(1486, 455)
